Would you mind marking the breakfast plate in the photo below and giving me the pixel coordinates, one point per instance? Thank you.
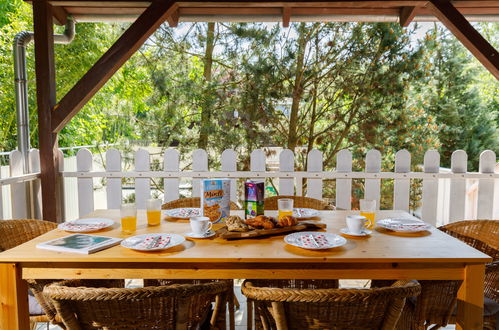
(404, 225)
(152, 242)
(302, 213)
(315, 240)
(364, 232)
(183, 212)
(86, 225)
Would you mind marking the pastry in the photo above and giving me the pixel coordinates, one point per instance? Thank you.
(235, 223)
(261, 222)
(287, 221)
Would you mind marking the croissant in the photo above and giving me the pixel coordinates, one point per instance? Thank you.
(261, 221)
(287, 221)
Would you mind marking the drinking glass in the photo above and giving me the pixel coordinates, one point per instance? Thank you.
(128, 219)
(153, 212)
(368, 210)
(285, 207)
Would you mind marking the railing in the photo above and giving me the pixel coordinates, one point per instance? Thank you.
(446, 195)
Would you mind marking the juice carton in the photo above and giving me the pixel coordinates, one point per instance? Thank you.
(253, 198)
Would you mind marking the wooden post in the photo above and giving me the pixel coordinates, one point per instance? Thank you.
(45, 94)
(466, 33)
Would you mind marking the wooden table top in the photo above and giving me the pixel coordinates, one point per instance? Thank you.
(381, 247)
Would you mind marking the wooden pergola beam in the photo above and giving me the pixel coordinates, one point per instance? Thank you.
(110, 62)
(173, 19)
(60, 15)
(407, 14)
(46, 97)
(286, 16)
(466, 33)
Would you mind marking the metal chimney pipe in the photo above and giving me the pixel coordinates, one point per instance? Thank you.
(21, 40)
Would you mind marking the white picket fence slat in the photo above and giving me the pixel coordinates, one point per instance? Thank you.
(142, 185)
(344, 186)
(113, 187)
(430, 187)
(401, 187)
(314, 165)
(171, 163)
(84, 163)
(459, 165)
(36, 189)
(229, 164)
(18, 190)
(286, 164)
(373, 186)
(199, 164)
(486, 186)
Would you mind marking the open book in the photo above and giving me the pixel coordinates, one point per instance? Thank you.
(80, 243)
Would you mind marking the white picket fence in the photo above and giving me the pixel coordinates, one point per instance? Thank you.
(456, 200)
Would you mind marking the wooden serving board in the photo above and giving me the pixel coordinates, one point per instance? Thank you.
(225, 234)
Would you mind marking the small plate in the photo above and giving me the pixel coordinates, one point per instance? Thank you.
(404, 225)
(315, 240)
(86, 225)
(301, 213)
(183, 212)
(365, 232)
(152, 242)
(209, 233)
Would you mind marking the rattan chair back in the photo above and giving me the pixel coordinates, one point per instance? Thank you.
(191, 202)
(353, 309)
(177, 306)
(299, 201)
(17, 232)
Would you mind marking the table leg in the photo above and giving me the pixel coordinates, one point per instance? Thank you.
(14, 312)
(470, 298)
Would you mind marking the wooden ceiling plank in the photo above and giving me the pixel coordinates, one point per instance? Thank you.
(467, 34)
(110, 62)
(407, 14)
(292, 4)
(60, 15)
(105, 10)
(311, 11)
(114, 4)
(286, 16)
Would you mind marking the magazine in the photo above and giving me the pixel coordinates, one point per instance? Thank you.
(80, 243)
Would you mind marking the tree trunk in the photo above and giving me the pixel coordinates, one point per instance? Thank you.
(297, 89)
(208, 92)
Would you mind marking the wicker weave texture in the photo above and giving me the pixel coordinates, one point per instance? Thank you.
(164, 307)
(298, 201)
(17, 232)
(191, 202)
(353, 309)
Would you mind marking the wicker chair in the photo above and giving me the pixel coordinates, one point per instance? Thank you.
(191, 202)
(299, 201)
(17, 232)
(177, 306)
(351, 309)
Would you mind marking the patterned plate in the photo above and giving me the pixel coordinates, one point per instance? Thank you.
(152, 242)
(404, 225)
(183, 212)
(86, 225)
(304, 213)
(314, 240)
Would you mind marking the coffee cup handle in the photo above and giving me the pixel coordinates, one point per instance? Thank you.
(209, 227)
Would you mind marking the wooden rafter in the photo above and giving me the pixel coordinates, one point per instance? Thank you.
(110, 62)
(60, 15)
(173, 19)
(407, 15)
(286, 16)
(467, 34)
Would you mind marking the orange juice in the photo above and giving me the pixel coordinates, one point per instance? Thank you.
(370, 216)
(129, 224)
(153, 217)
(283, 213)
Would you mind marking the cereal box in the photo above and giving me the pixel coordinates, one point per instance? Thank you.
(215, 199)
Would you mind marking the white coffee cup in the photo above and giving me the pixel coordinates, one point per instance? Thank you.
(356, 223)
(200, 225)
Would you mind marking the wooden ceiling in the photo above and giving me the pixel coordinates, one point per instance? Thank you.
(268, 11)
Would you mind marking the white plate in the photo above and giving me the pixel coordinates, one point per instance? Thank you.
(86, 225)
(404, 225)
(208, 234)
(183, 212)
(320, 240)
(304, 213)
(365, 232)
(149, 242)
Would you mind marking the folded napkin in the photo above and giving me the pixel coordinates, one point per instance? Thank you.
(154, 242)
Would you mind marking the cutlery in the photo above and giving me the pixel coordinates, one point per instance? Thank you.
(154, 242)
(312, 238)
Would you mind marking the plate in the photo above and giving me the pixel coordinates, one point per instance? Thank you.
(183, 212)
(208, 234)
(404, 225)
(315, 240)
(365, 232)
(152, 242)
(86, 225)
(301, 213)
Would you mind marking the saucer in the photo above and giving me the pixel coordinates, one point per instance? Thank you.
(364, 232)
(208, 234)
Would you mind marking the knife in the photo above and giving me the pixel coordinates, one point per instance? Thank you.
(154, 242)
(314, 240)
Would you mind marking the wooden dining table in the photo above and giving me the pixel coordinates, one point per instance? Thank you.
(428, 255)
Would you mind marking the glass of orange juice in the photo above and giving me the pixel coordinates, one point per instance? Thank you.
(128, 219)
(153, 212)
(368, 210)
(285, 207)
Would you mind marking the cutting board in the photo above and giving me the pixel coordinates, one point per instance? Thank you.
(225, 234)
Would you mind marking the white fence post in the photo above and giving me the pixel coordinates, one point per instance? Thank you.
(36, 190)
(314, 165)
(486, 186)
(372, 186)
(286, 164)
(401, 187)
(171, 164)
(199, 164)
(229, 164)
(18, 191)
(142, 185)
(84, 163)
(113, 187)
(459, 165)
(430, 187)
(344, 186)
